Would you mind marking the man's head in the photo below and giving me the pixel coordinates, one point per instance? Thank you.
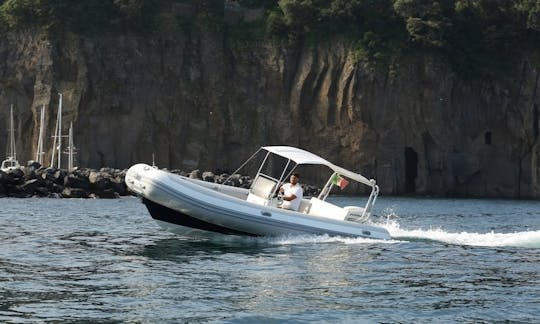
(294, 178)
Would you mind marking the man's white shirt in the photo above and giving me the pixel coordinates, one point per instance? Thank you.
(288, 190)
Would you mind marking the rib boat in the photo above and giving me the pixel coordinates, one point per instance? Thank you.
(192, 207)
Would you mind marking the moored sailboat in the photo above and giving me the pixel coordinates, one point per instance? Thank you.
(11, 160)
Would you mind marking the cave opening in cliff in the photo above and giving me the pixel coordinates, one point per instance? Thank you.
(487, 138)
(411, 170)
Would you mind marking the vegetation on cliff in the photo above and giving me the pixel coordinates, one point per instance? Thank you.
(93, 16)
(473, 35)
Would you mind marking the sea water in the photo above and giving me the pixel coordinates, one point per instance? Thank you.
(469, 261)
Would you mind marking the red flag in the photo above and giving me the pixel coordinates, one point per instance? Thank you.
(343, 183)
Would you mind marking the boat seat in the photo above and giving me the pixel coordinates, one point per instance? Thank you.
(355, 213)
(256, 199)
(325, 209)
(261, 190)
(304, 206)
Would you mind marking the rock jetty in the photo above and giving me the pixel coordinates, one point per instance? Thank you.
(34, 180)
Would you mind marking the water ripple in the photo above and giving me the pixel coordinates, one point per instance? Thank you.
(106, 261)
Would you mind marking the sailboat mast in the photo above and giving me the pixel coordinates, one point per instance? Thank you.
(57, 135)
(60, 132)
(70, 147)
(12, 152)
(54, 143)
(39, 153)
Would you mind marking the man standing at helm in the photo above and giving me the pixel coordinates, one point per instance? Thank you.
(292, 193)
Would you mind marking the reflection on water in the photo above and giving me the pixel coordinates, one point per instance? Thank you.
(183, 249)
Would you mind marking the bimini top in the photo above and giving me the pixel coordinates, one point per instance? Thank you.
(297, 155)
(300, 156)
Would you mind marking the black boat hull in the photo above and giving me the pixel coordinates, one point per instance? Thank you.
(170, 216)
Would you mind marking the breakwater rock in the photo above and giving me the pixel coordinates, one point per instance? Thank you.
(34, 180)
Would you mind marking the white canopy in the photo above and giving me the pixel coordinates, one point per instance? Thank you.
(297, 155)
(300, 156)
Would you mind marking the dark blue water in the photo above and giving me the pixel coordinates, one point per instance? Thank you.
(467, 261)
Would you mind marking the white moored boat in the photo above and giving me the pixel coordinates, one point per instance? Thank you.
(187, 206)
(11, 163)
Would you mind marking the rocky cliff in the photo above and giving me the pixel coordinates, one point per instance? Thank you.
(205, 101)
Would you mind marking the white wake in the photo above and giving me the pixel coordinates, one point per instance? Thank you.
(492, 239)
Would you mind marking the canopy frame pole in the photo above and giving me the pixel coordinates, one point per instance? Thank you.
(243, 165)
(327, 188)
(371, 201)
(282, 176)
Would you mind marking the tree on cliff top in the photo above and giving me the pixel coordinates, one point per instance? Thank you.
(470, 33)
(88, 16)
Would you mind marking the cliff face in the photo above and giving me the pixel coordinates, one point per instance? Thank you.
(202, 101)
